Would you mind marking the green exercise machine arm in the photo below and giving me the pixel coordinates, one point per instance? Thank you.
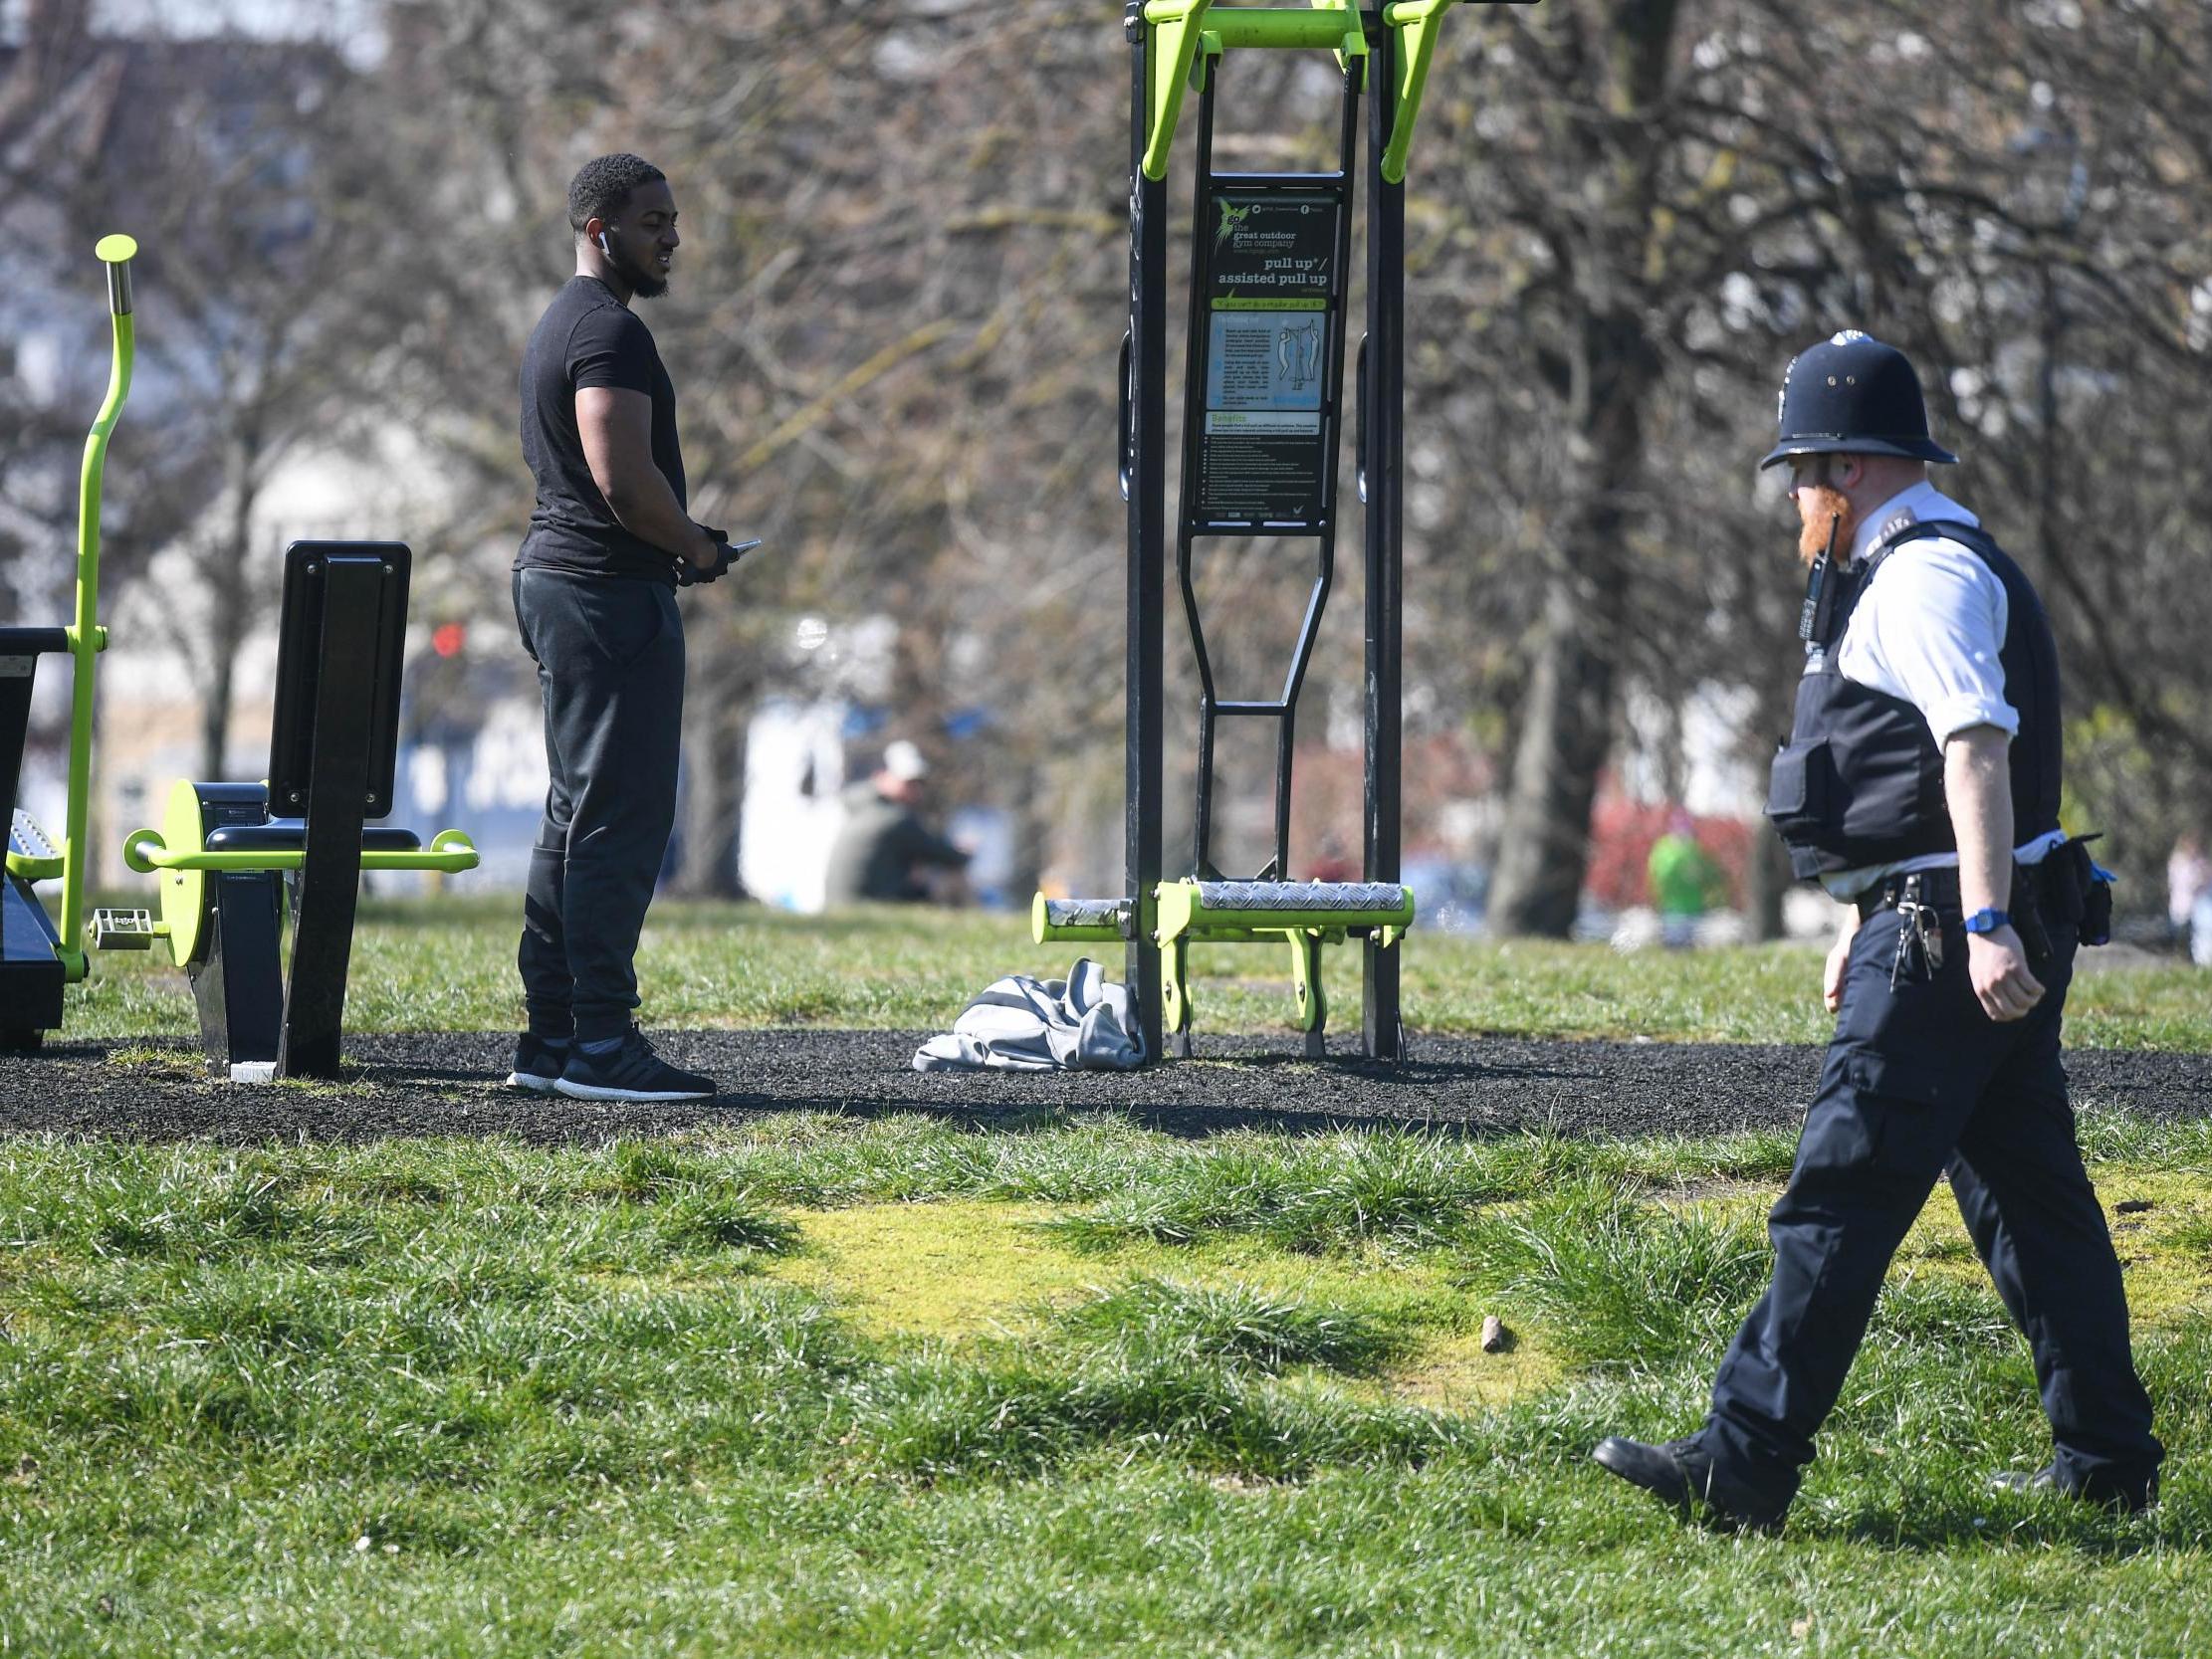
(87, 639)
(1187, 30)
(145, 851)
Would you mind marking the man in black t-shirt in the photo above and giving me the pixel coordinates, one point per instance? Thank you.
(595, 586)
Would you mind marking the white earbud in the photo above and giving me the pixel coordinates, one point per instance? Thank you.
(603, 248)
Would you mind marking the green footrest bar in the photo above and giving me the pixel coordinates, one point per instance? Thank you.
(1078, 919)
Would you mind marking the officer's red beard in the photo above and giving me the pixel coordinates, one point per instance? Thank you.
(1821, 511)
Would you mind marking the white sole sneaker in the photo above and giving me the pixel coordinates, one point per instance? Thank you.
(606, 1092)
(532, 1082)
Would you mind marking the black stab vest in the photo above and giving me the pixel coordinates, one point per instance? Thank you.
(1860, 779)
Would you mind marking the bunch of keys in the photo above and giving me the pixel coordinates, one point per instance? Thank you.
(1920, 940)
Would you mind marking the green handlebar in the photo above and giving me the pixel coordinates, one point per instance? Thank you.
(145, 851)
(117, 252)
(87, 639)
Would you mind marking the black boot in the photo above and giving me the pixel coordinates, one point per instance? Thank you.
(1680, 1475)
(2130, 1497)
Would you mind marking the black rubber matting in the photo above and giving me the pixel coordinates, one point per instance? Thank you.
(453, 1084)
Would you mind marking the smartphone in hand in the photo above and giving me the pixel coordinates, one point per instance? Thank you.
(689, 575)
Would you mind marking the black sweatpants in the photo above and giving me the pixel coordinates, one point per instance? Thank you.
(1919, 1081)
(610, 666)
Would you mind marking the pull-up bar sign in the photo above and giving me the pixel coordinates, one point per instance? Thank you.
(1273, 301)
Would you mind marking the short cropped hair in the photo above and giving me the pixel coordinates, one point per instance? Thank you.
(603, 186)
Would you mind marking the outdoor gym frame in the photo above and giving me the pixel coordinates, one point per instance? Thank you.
(1259, 459)
(231, 858)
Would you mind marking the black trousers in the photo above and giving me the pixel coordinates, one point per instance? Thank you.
(610, 667)
(1918, 1081)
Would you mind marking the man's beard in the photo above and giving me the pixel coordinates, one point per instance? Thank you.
(1830, 524)
(645, 283)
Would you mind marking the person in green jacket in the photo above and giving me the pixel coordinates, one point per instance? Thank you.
(1684, 881)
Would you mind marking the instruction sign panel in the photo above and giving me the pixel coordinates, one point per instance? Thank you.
(1271, 316)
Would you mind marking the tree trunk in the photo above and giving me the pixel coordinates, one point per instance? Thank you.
(228, 584)
(1566, 730)
(215, 719)
(1768, 877)
(1567, 724)
(716, 708)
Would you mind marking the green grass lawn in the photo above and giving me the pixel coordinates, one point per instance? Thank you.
(449, 966)
(815, 1386)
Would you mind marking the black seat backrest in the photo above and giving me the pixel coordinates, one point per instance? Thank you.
(370, 578)
(20, 650)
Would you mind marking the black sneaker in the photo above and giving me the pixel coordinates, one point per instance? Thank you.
(632, 1072)
(537, 1063)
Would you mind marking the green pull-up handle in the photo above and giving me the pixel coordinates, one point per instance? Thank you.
(1417, 23)
(1175, 48)
(1185, 30)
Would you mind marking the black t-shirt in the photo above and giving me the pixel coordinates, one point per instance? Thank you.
(588, 337)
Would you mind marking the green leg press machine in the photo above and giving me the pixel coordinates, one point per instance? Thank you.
(231, 858)
(1261, 431)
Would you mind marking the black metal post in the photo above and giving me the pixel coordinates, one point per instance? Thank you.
(1143, 460)
(1187, 480)
(337, 800)
(238, 987)
(1384, 464)
(237, 974)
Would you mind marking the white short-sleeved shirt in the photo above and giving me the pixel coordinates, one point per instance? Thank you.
(1929, 629)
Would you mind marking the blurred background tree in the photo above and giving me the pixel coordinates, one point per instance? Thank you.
(892, 334)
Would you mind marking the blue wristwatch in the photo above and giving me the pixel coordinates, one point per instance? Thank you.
(1987, 921)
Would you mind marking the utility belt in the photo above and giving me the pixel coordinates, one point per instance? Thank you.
(2066, 891)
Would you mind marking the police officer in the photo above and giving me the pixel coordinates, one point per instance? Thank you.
(1920, 785)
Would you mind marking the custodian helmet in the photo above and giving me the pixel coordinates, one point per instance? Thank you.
(1851, 394)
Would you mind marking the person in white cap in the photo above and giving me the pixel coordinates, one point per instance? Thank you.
(884, 853)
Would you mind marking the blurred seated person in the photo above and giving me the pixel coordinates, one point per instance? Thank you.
(884, 853)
